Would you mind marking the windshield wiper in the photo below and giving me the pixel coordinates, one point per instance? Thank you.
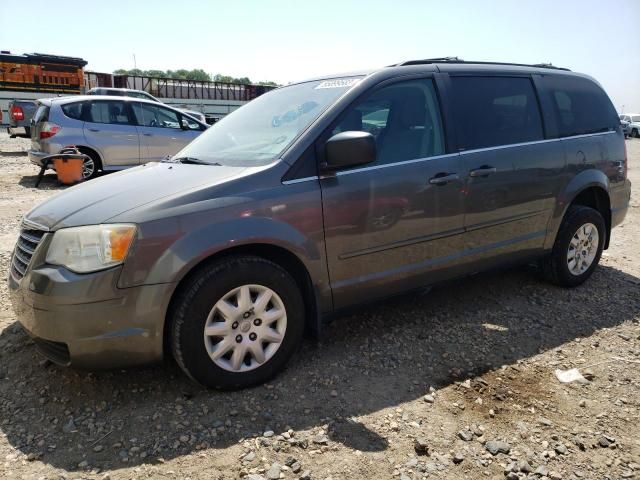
(192, 160)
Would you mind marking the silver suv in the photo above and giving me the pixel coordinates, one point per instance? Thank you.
(115, 132)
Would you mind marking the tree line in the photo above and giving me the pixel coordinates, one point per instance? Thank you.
(195, 74)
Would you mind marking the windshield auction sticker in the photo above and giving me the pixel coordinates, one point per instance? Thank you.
(338, 83)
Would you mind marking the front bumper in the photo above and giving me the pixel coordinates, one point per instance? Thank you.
(86, 321)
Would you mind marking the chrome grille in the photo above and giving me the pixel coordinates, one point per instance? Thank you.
(25, 248)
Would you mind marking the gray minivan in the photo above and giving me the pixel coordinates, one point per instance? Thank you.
(319, 196)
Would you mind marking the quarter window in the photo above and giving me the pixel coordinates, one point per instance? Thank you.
(492, 111)
(110, 111)
(404, 118)
(73, 110)
(580, 106)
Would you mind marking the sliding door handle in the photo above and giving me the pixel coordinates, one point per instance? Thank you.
(483, 171)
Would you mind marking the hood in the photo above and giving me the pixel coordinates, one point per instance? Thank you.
(98, 200)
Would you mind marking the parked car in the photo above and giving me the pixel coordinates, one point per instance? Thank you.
(20, 114)
(122, 92)
(115, 132)
(128, 92)
(626, 128)
(197, 115)
(264, 225)
(633, 124)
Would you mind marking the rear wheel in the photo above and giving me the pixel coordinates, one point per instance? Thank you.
(237, 322)
(577, 248)
(91, 164)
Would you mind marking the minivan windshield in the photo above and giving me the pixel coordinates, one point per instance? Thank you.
(261, 130)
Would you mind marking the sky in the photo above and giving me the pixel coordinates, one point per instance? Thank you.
(286, 41)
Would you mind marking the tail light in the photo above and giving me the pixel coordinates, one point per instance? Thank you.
(16, 113)
(49, 129)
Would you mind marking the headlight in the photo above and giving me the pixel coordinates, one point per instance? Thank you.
(91, 248)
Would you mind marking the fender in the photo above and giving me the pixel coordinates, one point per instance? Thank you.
(184, 244)
(582, 181)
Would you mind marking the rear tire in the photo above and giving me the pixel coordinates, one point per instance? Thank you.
(577, 248)
(90, 166)
(635, 133)
(224, 335)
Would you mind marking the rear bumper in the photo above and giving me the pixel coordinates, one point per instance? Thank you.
(36, 157)
(85, 321)
(620, 198)
(19, 131)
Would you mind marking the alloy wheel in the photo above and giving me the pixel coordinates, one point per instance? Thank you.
(88, 167)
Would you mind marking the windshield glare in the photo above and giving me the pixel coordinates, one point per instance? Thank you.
(261, 130)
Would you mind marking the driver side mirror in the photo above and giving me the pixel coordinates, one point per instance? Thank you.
(349, 149)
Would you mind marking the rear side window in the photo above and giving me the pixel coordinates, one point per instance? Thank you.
(42, 114)
(110, 111)
(580, 106)
(492, 111)
(73, 110)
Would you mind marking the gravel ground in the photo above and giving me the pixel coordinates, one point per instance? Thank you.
(458, 383)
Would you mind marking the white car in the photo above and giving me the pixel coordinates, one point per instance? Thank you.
(633, 120)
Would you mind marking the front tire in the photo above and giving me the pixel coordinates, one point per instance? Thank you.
(635, 133)
(237, 322)
(577, 248)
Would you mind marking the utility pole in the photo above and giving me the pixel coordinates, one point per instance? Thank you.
(135, 65)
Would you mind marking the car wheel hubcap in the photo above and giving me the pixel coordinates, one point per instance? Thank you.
(87, 167)
(583, 249)
(245, 328)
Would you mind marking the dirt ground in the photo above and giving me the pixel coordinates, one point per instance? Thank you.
(419, 387)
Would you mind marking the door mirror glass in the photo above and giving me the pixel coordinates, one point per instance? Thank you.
(349, 149)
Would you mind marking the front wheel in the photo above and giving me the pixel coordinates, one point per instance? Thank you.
(237, 322)
(635, 133)
(577, 248)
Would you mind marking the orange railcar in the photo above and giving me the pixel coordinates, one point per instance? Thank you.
(37, 72)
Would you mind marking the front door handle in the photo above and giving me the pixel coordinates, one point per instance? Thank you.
(94, 130)
(443, 178)
(148, 134)
(483, 171)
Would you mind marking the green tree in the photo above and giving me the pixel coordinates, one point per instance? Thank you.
(198, 74)
(155, 73)
(195, 74)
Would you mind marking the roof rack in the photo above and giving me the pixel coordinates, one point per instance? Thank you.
(458, 60)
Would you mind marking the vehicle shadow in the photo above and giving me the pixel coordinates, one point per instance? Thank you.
(17, 153)
(379, 358)
(49, 182)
